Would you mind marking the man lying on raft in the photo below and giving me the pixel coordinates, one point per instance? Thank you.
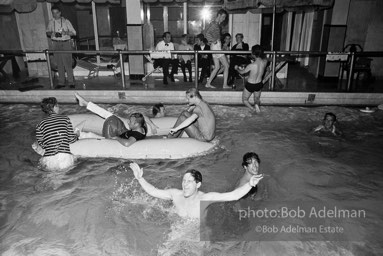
(114, 127)
(187, 201)
(198, 121)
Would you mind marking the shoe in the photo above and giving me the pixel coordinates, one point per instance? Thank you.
(59, 86)
(209, 86)
(172, 78)
(185, 79)
(72, 86)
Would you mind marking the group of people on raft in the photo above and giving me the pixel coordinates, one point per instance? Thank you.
(55, 132)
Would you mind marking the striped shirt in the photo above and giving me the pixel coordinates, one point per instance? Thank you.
(213, 33)
(54, 134)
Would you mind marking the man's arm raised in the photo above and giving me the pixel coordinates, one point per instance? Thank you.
(149, 188)
(235, 194)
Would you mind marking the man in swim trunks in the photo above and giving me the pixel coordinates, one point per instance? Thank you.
(187, 201)
(114, 127)
(53, 135)
(213, 36)
(198, 121)
(329, 125)
(250, 164)
(254, 83)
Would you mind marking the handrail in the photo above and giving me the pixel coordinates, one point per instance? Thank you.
(273, 54)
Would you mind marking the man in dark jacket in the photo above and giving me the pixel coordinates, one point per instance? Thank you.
(238, 60)
(204, 60)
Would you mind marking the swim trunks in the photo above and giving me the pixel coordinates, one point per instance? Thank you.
(254, 87)
(217, 47)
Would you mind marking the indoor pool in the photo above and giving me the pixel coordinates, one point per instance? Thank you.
(97, 208)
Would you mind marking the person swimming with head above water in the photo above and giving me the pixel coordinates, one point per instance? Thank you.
(329, 125)
(158, 110)
(187, 202)
(114, 127)
(53, 135)
(250, 164)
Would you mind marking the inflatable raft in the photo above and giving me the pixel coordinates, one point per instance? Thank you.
(155, 147)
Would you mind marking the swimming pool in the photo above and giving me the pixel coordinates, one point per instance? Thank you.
(98, 209)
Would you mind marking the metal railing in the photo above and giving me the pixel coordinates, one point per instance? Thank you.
(272, 55)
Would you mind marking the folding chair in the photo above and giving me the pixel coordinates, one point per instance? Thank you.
(95, 69)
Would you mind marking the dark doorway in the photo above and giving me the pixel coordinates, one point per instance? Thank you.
(266, 31)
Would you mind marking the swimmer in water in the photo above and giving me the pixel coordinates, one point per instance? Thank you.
(198, 121)
(158, 110)
(53, 135)
(254, 82)
(250, 164)
(187, 201)
(329, 125)
(114, 127)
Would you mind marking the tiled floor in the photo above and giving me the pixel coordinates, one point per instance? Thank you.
(299, 80)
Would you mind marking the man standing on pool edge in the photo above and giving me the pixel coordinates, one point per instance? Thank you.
(198, 121)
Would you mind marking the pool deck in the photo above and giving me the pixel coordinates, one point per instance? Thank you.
(108, 89)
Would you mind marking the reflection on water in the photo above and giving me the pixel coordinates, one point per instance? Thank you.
(97, 208)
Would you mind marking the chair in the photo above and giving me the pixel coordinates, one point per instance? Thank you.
(95, 69)
(361, 64)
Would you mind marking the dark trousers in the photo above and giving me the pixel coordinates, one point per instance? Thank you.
(63, 61)
(236, 60)
(204, 64)
(165, 63)
(187, 65)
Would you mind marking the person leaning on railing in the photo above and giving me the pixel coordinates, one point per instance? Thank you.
(60, 31)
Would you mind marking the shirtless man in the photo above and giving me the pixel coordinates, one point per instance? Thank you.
(198, 121)
(250, 164)
(254, 83)
(329, 125)
(187, 201)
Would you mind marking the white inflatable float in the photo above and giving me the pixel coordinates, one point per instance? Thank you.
(149, 148)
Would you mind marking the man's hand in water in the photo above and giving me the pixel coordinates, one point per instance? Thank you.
(137, 171)
(255, 179)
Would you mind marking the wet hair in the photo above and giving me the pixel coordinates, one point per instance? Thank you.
(248, 157)
(257, 51)
(239, 34)
(193, 92)
(55, 7)
(222, 11)
(196, 175)
(200, 37)
(330, 114)
(140, 120)
(157, 108)
(165, 33)
(47, 104)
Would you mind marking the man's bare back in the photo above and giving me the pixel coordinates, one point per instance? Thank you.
(256, 69)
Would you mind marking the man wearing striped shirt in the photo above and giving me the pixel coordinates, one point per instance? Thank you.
(213, 36)
(54, 134)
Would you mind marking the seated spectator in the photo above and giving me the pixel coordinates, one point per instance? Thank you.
(185, 59)
(226, 39)
(238, 60)
(166, 45)
(204, 60)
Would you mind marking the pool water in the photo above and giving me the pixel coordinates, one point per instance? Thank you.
(97, 208)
